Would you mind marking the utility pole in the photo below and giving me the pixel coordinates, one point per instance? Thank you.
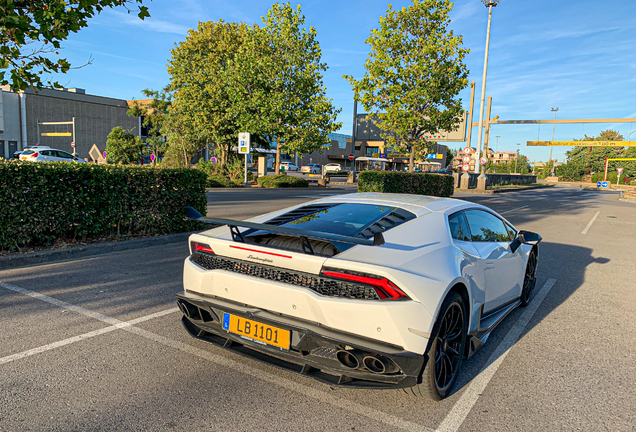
(497, 144)
(517, 157)
(353, 134)
(553, 126)
(489, 4)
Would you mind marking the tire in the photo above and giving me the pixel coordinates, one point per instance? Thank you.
(529, 278)
(445, 353)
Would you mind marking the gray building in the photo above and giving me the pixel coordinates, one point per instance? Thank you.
(95, 117)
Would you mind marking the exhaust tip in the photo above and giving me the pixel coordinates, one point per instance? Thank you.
(347, 359)
(374, 364)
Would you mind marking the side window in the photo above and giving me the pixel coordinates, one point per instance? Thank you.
(64, 155)
(458, 227)
(486, 227)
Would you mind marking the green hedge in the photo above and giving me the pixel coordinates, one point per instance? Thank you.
(44, 202)
(282, 181)
(221, 181)
(440, 185)
(612, 176)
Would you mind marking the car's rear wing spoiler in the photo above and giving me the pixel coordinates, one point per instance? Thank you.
(237, 236)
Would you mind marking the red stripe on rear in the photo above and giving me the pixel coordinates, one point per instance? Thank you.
(260, 251)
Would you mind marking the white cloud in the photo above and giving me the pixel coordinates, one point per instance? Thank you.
(466, 10)
(150, 24)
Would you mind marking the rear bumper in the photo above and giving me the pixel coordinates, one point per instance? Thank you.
(313, 347)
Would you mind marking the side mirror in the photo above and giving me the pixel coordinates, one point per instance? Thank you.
(524, 237)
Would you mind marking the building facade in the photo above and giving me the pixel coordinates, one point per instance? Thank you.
(95, 116)
(497, 157)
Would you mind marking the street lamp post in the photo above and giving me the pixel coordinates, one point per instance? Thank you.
(553, 126)
(497, 144)
(517, 157)
(489, 4)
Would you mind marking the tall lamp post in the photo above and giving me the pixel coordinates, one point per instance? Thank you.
(517, 157)
(554, 110)
(489, 4)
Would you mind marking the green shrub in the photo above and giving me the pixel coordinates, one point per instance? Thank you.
(221, 181)
(282, 181)
(612, 176)
(403, 182)
(44, 202)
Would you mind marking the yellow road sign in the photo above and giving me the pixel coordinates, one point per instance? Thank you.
(583, 143)
(56, 134)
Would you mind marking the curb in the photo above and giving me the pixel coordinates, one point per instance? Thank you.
(496, 191)
(623, 199)
(46, 256)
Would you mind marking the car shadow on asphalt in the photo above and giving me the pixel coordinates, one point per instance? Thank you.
(563, 262)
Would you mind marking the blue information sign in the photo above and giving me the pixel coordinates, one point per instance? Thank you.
(605, 184)
(598, 184)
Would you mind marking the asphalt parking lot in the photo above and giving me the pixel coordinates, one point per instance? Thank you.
(97, 343)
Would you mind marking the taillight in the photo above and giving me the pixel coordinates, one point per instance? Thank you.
(200, 247)
(34, 155)
(386, 289)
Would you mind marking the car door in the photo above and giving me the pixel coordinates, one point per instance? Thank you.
(502, 267)
(63, 156)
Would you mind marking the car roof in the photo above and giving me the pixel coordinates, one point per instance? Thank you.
(418, 204)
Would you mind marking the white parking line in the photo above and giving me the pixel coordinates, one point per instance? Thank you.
(589, 225)
(518, 208)
(84, 336)
(464, 405)
(322, 396)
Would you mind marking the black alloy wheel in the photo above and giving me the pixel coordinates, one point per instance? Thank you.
(530, 279)
(446, 350)
(448, 347)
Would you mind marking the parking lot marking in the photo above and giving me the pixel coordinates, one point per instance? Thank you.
(320, 395)
(464, 405)
(589, 225)
(82, 337)
(518, 208)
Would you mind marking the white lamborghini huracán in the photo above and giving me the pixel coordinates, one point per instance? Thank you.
(365, 290)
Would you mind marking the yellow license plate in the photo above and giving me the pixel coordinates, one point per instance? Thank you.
(257, 331)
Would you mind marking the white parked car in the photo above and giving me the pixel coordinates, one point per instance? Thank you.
(333, 167)
(48, 155)
(365, 290)
(311, 168)
(289, 166)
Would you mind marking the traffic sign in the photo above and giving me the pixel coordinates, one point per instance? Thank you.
(244, 143)
(213, 160)
(104, 154)
(351, 156)
(153, 157)
(466, 159)
(598, 184)
(620, 171)
(483, 161)
(466, 168)
(468, 150)
(72, 144)
(604, 184)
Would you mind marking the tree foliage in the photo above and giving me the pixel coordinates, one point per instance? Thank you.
(201, 111)
(31, 32)
(275, 84)
(154, 116)
(122, 147)
(593, 158)
(414, 73)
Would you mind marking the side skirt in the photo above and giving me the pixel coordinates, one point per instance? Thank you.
(487, 324)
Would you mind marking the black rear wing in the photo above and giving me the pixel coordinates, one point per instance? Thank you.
(304, 235)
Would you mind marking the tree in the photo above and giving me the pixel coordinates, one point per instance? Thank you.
(414, 74)
(154, 118)
(593, 158)
(200, 112)
(31, 32)
(122, 147)
(450, 154)
(275, 84)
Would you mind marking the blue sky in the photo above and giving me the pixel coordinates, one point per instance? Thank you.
(576, 55)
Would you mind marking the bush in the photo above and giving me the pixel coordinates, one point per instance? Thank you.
(282, 181)
(44, 202)
(122, 147)
(403, 182)
(571, 171)
(612, 176)
(221, 181)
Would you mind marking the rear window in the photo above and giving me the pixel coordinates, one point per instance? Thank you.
(28, 152)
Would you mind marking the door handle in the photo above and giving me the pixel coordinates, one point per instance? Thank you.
(490, 264)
